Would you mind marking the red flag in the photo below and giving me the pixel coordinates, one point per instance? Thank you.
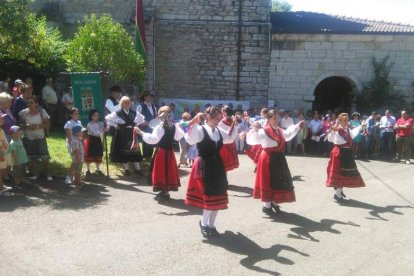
(140, 30)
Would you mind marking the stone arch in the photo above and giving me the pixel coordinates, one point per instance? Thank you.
(345, 86)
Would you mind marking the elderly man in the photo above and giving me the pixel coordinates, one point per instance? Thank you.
(404, 128)
(50, 100)
(148, 109)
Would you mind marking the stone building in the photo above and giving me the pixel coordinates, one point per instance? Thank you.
(320, 61)
(238, 50)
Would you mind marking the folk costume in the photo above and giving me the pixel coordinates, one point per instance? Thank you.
(228, 152)
(342, 170)
(124, 122)
(253, 152)
(149, 112)
(93, 144)
(207, 184)
(164, 171)
(273, 183)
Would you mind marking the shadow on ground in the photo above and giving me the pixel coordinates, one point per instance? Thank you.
(374, 210)
(179, 204)
(241, 245)
(304, 226)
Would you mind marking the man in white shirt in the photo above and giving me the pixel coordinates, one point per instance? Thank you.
(50, 100)
(112, 103)
(285, 122)
(315, 127)
(149, 111)
(387, 124)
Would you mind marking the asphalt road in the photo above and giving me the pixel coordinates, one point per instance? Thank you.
(117, 228)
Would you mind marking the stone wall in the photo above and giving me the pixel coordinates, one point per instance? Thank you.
(192, 49)
(300, 62)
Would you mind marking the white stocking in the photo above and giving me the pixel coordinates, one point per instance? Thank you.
(212, 220)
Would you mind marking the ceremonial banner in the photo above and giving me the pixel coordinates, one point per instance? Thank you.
(140, 30)
(87, 94)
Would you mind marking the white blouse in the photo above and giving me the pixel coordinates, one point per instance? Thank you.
(196, 134)
(261, 138)
(113, 119)
(158, 132)
(226, 129)
(95, 128)
(334, 137)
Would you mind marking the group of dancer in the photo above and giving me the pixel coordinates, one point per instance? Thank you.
(214, 132)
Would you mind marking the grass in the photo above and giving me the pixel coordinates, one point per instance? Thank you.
(60, 158)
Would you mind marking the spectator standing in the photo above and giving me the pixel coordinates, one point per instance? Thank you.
(67, 100)
(74, 120)
(50, 100)
(18, 154)
(387, 124)
(315, 129)
(4, 151)
(77, 154)
(112, 103)
(404, 128)
(34, 120)
(149, 111)
(285, 122)
(5, 84)
(16, 91)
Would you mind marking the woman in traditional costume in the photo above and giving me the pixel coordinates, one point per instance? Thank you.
(273, 184)
(164, 170)
(228, 152)
(207, 184)
(124, 121)
(342, 170)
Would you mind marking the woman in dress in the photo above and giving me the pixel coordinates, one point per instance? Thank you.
(207, 184)
(273, 184)
(122, 149)
(164, 170)
(342, 170)
(356, 141)
(228, 152)
(34, 120)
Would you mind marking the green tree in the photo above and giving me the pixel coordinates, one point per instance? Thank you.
(102, 45)
(379, 93)
(26, 38)
(281, 6)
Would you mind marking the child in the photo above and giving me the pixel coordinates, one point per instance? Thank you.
(19, 155)
(74, 121)
(192, 154)
(4, 147)
(77, 153)
(93, 143)
(184, 146)
(165, 176)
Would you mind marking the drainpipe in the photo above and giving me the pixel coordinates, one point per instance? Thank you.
(239, 39)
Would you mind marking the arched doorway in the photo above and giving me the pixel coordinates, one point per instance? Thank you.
(334, 93)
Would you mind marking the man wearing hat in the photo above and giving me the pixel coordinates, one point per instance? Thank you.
(17, 87)
(149, 111)
(112, 103)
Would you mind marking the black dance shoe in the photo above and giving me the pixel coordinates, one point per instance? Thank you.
(268, 211)
(276, 208)
(126, 172)
(338, 199)
(214, 233)
(205, 231)
(343, 195)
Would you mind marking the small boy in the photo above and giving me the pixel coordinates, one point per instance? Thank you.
(77, 153)
(18, 153)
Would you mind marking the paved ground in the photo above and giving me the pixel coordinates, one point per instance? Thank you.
(116, 228)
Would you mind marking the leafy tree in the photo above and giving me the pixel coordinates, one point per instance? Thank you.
(102, 45)
(281, 6)
(26, 38)
(379, 94)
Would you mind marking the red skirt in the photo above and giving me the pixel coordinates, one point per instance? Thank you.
(93, 149)
(228, 154)
(337, 179)
(165, 172)
(195, 192)
(263, 188)
(254, 152)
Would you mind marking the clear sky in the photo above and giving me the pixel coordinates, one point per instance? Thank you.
(398, 11)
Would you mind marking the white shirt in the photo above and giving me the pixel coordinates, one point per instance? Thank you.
(387, 123)
(139, 108)
(196, 134)
(158, 132)
(49, 95)
(113, 119)
(109, 105)
(226, 129)
(286, 122)
(95, 128)
(67, 99)
(334, 137)
(261, 138)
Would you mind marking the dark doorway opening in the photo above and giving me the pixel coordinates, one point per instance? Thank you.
(335, 94)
